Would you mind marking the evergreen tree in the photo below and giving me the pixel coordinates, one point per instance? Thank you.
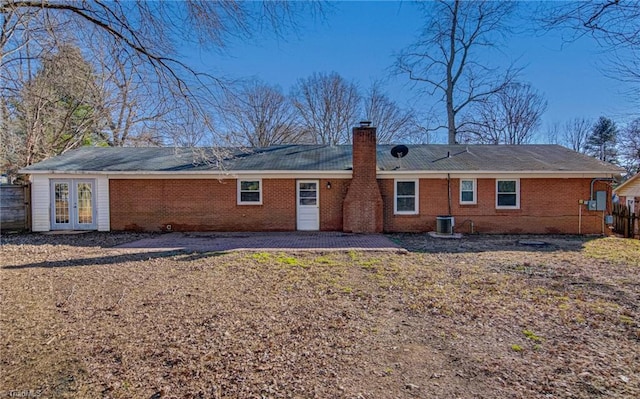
(601, 143)
(57, 108)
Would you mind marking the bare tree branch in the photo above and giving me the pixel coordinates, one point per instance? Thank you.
(142, 41)
(328, 105)
(511, 116)
(393, 123)
(453, 30)
(259, 115)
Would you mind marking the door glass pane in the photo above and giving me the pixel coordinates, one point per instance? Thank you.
(307, 193)
(85, 203)
(62, 202)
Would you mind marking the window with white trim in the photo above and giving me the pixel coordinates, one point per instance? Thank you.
(249, 192)
(468, 192)
(405, 197)
(507, 194)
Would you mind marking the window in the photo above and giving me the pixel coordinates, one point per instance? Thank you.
(467, 191)
(250, 192)
(406, 197)
(508, 194)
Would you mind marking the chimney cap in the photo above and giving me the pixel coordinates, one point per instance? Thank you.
(365, 123)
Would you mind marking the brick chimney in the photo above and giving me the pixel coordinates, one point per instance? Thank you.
(362, 207)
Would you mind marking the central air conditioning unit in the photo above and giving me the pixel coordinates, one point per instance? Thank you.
(444, 225)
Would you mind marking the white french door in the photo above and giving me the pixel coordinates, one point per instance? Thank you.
(72, 204)
(308, 210)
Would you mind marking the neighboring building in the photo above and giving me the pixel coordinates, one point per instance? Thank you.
(359, 188)
(629, 193)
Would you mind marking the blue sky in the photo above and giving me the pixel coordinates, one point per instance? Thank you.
(359, 39)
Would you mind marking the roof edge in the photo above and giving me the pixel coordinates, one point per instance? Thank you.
(218, 174)
(626, 183)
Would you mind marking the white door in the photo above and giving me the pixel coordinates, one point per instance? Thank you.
(72, 205)
(308, 209)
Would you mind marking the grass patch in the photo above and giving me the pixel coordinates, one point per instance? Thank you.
(532, 336)
(617, 250)
(516, 348)
(261, 257)
(288, 260)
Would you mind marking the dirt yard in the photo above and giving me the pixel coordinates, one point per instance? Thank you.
(480, 317)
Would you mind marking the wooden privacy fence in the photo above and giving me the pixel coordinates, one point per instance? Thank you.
(625, 222)
(15, 203)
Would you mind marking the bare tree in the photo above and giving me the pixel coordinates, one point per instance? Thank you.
(328, 106)
(260, 115)
(510, 116)
(553, 134)
(576, 133)
(614, 24)
(132, 111)
(444, 56)
(629, 147)
(146, 38)
(393, 123)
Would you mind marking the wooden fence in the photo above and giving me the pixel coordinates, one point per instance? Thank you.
(15, 210)
(625, 222)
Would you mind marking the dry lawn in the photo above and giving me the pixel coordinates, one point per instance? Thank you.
(482, 317)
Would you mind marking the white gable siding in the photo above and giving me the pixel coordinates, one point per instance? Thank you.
(102, 203)
(41, 200)
(40, 203)
(630, 190)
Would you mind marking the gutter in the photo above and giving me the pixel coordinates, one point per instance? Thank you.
(381, 174)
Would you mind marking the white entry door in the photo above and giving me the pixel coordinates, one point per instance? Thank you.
(308, 209)
(72, 205)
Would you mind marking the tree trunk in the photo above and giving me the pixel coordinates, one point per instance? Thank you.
(451, 114)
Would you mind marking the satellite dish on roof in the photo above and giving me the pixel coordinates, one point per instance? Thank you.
(399, 151)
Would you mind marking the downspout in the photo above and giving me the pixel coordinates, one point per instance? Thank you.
(598, 179)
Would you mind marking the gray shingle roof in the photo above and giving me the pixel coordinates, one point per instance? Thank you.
(444, 158)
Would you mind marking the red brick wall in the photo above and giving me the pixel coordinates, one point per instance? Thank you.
(363, 207)
(200, 205)
(211, 205)
(331, 200)
(546, 206)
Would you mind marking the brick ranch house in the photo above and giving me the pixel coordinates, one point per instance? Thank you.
(358, 188)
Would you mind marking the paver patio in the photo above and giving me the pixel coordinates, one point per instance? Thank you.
(286, 241)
